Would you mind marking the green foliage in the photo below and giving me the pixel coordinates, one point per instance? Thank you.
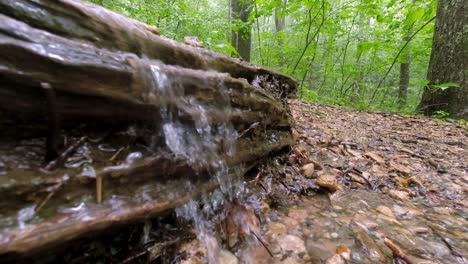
(445, 86)
(338, 50)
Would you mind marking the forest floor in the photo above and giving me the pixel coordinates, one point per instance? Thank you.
(357, 187)
(361, 187)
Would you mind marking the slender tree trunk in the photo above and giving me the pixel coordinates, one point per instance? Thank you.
(241, 38)
(449, 61)
(280, 19)
(404, 83)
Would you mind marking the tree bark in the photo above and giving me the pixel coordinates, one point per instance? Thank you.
(449, 61)
(404, 83)
(241, 38)
(280, 19)
(76, 69)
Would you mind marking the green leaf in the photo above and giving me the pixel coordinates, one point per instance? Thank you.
(445, 86)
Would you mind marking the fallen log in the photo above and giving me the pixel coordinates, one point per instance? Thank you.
(146, 121)
(96, 25)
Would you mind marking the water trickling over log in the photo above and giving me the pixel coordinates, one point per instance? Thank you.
(151, 122)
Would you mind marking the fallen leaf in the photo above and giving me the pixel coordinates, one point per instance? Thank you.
(376, 157)
(400, 168)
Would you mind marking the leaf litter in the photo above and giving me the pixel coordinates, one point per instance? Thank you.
(357, 187)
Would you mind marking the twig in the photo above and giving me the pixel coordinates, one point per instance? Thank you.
(263, 243)
(117, 154)
(254, 125)
(64, 155)
(397, 251)
(47, 198)
(99, 188)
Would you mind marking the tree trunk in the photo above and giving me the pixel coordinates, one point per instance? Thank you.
(241, 38)
(404, 83)
(146, 120)
(449, 61)
(280, 19)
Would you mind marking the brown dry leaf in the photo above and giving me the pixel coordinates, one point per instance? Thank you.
(400, 182)
(240, 221)
(376, 157)
(415, 181)
(353, 152)
(400, 168)
(344, 252)
(308, 170)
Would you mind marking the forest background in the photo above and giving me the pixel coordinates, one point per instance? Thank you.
(364, 54)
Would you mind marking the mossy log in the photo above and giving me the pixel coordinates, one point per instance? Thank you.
(71, 70)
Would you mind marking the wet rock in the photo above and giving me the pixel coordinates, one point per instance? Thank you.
(399, 195)
(444, 210)
(336, 259)
(344, 252)
(364, 222)
(258, 255)
(298, 214)
(318, 250)
(369, 246)
(328, 182)
(416, 246)
(289, 260)
(277, 228)
(385, 211)
(419, 229)
(290, 243)
(308, 170)
(290, 223)
(226, 257)
(406, 212)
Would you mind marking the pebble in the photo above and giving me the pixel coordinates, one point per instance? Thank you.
(444, 210)
(226, 257)
(418, 229)
(299, 214)
(277, 228)
(328, 182)
(289, 260)
(308, 170)
(385, 211)
(399, 195)
(370, 247)
(336, 259)
(292, 243)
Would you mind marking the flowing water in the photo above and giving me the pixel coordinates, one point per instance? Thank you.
(203, 144)
(185, 130)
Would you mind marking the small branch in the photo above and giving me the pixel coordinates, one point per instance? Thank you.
(47, 198)
(397, 251)
(64, 155)
(309, 40)
(116, 154)
(98, 188)
(252, 126)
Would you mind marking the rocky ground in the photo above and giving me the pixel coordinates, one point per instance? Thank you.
(358, 187)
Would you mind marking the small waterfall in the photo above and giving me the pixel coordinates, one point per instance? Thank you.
(203, 139)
